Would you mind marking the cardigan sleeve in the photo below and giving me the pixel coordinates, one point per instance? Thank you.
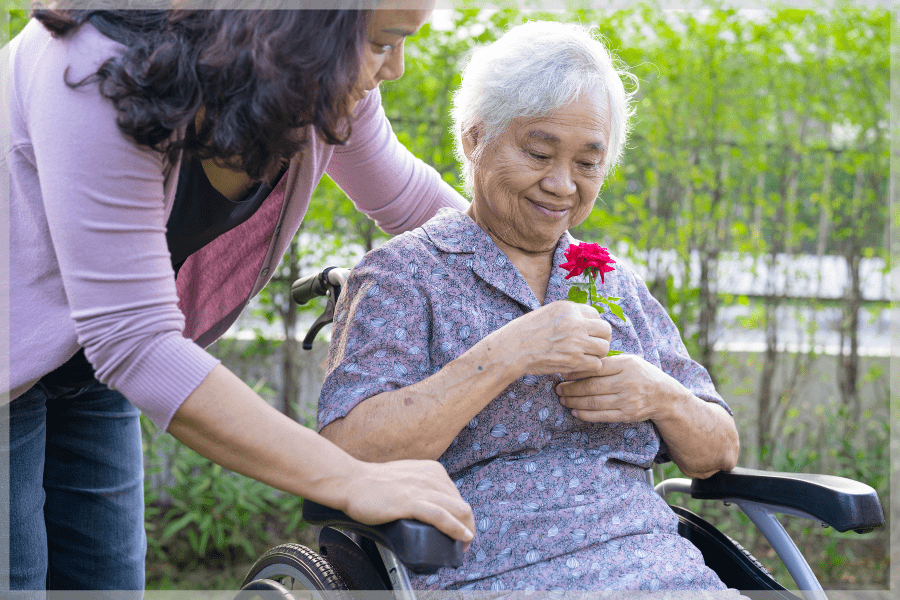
(383, 178)
(104, 202)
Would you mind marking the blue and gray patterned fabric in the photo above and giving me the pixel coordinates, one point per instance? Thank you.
(559, 503)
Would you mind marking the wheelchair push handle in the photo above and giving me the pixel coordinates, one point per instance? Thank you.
(326, 283)
(319, 284)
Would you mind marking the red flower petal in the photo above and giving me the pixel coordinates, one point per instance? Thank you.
(588, 256)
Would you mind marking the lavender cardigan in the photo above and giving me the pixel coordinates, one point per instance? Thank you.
(89, 264)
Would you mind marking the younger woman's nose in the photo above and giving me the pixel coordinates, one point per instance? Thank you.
(393, 66)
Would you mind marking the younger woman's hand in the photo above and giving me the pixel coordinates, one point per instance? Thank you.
(410, 489)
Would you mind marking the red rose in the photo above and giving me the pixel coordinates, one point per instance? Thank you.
(588, 257)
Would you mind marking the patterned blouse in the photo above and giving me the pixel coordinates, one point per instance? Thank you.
(559, 503)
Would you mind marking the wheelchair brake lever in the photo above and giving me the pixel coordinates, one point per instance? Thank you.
(332, 292)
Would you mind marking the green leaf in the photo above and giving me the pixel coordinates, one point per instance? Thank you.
(577, 295)
(178, 525)
(614, 353)
(617, 310)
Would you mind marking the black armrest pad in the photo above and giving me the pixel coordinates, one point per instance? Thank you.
(842, 503)
(421, 548)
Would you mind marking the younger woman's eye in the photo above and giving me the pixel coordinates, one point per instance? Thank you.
(383, 48)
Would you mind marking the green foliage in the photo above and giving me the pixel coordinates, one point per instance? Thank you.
(18, 17)
(578, 295)
(839, 560)
(760, 134)
(204, 512)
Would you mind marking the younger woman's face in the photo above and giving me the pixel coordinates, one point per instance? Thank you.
(382, 58)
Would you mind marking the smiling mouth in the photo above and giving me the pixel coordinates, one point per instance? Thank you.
(547, 211)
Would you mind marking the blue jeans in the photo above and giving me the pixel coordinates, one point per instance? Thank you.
(76, 490)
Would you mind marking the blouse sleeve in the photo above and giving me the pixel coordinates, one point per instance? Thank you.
(104, 202)
(672, 354)
(383, 178)
(382, 328)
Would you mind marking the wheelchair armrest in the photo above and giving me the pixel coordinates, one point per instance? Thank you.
(841, 503)
(421, 548)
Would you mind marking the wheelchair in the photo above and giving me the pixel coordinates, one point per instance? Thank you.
(354, 556)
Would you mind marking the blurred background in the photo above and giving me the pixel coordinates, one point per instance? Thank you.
(753, 199)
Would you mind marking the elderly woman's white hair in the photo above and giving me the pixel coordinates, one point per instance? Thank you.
(532, 70)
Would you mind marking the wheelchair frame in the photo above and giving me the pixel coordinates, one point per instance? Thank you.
(394, 547)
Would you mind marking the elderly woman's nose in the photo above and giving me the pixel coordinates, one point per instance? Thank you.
(559, 181)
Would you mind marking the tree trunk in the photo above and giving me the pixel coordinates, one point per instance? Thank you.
(824, 215)
(848, 370)
(708, 309)
(756, 233)
(657, 283)
(367, 231)
(774, 297)
(709, 261)
(290, 357)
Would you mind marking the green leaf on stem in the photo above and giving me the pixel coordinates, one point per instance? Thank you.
(577, 295)
(616, 310)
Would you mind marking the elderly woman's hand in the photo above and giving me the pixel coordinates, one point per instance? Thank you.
(626, 388)
(701, 436)
(558, 337)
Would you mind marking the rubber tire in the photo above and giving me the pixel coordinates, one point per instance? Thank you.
(297, 567)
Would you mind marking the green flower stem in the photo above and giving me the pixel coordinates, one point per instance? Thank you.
(592, 298)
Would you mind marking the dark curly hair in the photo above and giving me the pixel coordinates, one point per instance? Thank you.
(259, 76)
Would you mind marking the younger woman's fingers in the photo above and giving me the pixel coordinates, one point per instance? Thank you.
(459, 527)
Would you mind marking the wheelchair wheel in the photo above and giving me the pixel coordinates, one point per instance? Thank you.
(296, 567)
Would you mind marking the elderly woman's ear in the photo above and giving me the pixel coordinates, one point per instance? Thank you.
(470, 139)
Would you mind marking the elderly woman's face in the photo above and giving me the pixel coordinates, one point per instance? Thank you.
(542, 175)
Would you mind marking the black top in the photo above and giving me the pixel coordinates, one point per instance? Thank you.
(199, 215)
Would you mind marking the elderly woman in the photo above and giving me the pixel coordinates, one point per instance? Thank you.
(455, 341)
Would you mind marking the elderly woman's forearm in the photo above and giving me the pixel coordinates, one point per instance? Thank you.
(421, 420)
(701, 436)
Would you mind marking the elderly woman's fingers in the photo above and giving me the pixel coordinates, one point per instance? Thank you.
(410, 489)
(594, 324)
(614, 415)
(560, 337)
(584, 383)
(625, 388)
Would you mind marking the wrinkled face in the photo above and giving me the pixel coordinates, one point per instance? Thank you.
(542, 175)
(382, 58)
